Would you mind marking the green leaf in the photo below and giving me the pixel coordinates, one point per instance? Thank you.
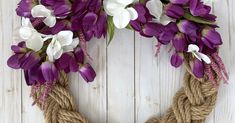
(142, 1)
(198, 19)
(111, 29)
(129, 27)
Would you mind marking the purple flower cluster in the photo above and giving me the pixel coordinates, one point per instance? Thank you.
(193, 25)
(79, 15)
(38, 70)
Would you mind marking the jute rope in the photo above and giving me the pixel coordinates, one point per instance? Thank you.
(191, 104)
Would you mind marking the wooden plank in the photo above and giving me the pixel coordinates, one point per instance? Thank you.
(147, 79)
(29, 113)
(120, 74)
(10, 84)
(91, 97)
(225, 108)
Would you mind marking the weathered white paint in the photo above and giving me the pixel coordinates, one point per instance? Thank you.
(131, 85)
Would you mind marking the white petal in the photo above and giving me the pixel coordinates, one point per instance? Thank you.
(193, 48)
(25, 32)
(65, 38)
(133, 13)
(205, 58)
(35, 42)
(197, 55)
(165, 20)
(155, 8)
(122, 19)
(125, 2)
(50, 21)
(58, 54)
(25, 21)
(112, 7)
(40, 11)
(53, 49)
(71, 47)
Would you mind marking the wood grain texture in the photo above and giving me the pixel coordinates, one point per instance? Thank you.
(131, 85)
(10, 82)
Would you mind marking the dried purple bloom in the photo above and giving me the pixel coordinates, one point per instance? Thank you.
(197, 8)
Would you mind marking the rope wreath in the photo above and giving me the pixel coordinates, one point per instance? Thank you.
(54, 36)
(191, 104)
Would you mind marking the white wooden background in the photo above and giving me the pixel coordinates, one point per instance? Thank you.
(131, 85)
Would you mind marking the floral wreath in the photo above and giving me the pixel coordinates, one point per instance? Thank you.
(53, 42)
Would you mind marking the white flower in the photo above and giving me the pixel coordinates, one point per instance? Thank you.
(122, 14)
(42, 11)
(32, 38)
(194, 49)
(155, 8)
(61, 42)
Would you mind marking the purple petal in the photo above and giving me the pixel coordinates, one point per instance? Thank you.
(30, 60)
(176, 60)
(179, 42)
(87, 72)
(188, 27)
(49, 71)
(174, 11)
(212, 36)
(15, 61)
(79, 55)
(198, 68)
(181, 2)
(152, 29)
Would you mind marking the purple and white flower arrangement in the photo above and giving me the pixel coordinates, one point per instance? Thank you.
(54, 34)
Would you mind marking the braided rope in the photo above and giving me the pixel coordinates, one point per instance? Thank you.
(59, 106)
(191, 104)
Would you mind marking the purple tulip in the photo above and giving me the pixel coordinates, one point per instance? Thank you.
(49, 71)
(180, 42)
(174, 11)
(176, 60)
(181, 2)
(87, 72)
(197, 8)
(188, 28)
(211, 38)
(198, 68)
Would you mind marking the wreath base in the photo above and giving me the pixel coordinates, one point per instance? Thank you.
(191, 104)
